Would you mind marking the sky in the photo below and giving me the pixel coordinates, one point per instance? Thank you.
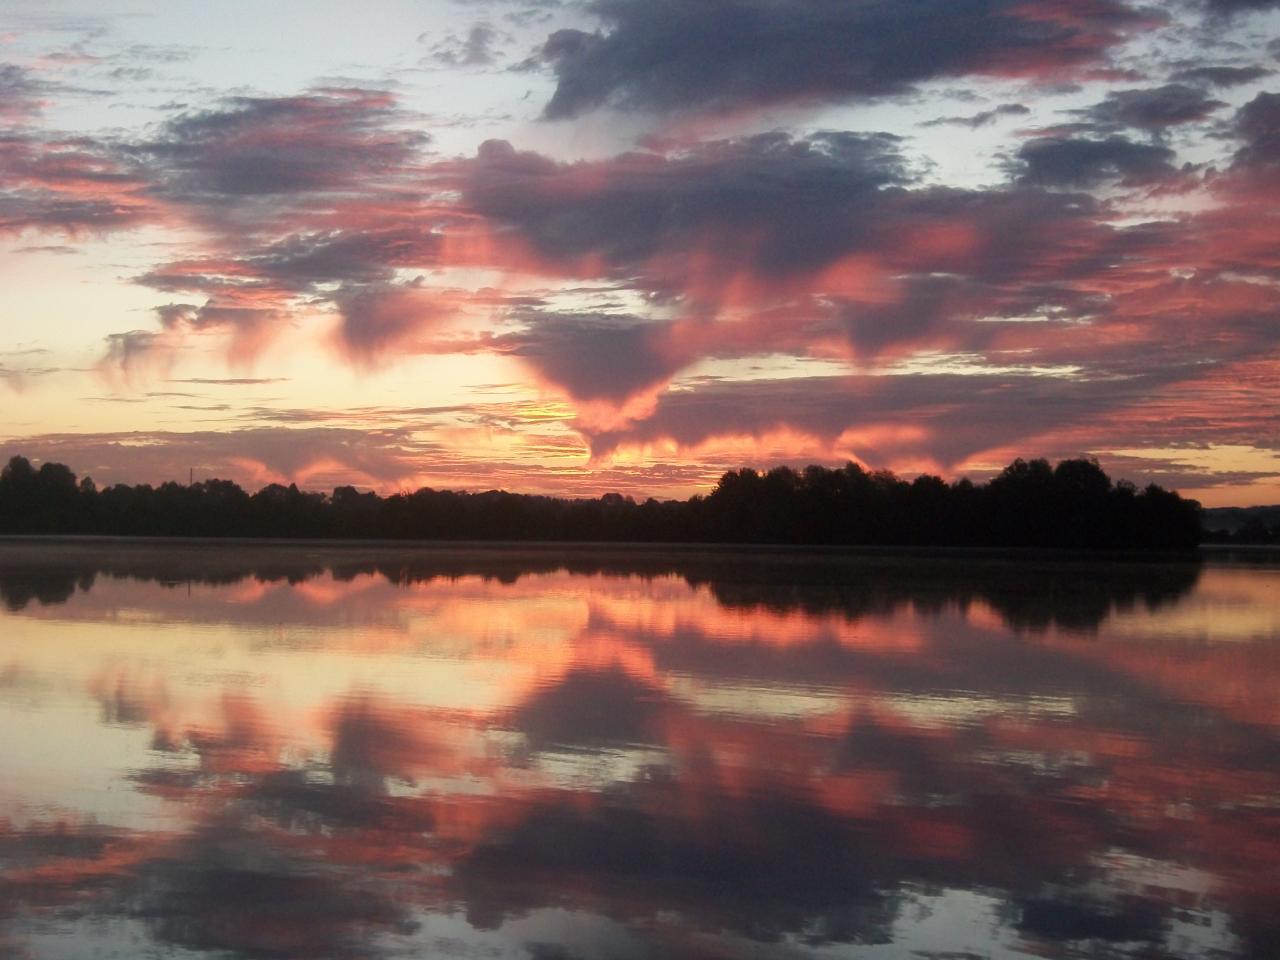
(624, 245)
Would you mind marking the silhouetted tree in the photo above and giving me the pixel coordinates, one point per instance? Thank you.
(1029, 504)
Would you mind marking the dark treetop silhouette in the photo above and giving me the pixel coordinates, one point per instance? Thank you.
(1030, 504)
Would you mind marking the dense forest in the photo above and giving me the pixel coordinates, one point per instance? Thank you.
(1029, 504)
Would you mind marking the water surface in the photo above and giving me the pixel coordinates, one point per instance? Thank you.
(362, 752)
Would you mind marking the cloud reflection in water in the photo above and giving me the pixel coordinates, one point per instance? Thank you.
(303, 752)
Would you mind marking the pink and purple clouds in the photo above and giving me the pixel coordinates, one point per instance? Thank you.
(626, 245)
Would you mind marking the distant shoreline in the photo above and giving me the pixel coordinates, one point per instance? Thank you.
(1031, 505)
(692, 548)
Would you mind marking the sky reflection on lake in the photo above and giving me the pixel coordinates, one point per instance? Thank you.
(297, 751)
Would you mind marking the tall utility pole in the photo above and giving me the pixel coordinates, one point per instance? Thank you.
(191, 476)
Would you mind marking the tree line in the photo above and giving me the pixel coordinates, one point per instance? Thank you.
(1029, 504)
(1253, 526)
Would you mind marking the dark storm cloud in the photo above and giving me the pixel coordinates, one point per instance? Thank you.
(355, 255)
(1221, 76)
(201, 276)
(252, 292)
(938, 311)
(1126, 395)
(981, 119)
(378, 316)
(50, 212)
(1078, 162)
(324, 140)
(296, 264)
(1090, 920)
(1258, 126)
(299, 194)
(593, 356)
(668, 54)
(776, 209)
(1010, 235)
(830, 243)
(315, 198)
(1229, 7)
(71, 185)
(784, 202)
(66, 184)
(689, 225)
(827, 243)
(957, 415)
(1154, 108)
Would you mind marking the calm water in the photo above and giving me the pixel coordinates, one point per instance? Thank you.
(286, 752)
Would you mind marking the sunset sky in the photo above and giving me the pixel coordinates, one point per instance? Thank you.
(578, 247)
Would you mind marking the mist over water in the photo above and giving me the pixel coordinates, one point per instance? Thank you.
(307, 751)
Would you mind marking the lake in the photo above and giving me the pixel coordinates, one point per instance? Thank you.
(293, 750)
